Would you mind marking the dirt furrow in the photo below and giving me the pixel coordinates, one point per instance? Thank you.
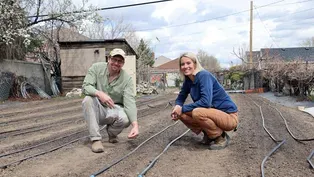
(72, 108)
(148, 120)
(142, 112)
(29, 139)
(248, 147)
(38, 106)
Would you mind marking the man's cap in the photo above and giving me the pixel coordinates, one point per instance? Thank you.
(117, 51)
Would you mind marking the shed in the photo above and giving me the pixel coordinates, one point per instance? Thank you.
(78, 56)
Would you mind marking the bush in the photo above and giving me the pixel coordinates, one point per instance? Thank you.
(178, 82)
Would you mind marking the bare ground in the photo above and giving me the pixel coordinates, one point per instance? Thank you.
(25, 125)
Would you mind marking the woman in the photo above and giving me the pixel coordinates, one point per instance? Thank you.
(212, 111)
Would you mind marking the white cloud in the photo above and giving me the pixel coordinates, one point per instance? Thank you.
(170, 11)
(287, 22)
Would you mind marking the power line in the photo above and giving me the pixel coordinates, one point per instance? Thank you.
(195, 33)
(202, 21)
(101, 9)
(192, 41)
(171, 37)
(266, 28)
(299, 2)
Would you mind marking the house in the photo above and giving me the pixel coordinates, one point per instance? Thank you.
(161, 60)
(255, 56)
(253, 79)
(78, 56)
(169, 70)
(288, 54)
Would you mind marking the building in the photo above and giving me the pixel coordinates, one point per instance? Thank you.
(288, 54)
(169, 70)
(161, 60)
(78, 56)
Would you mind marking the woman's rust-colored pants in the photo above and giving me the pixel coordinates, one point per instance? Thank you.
(212, 121)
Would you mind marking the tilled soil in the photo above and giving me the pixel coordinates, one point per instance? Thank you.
(27, 125)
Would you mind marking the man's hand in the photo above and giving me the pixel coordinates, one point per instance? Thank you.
(134, 132)
(176, 112)
(104, 98)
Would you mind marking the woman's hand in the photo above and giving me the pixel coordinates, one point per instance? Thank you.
(176, 112)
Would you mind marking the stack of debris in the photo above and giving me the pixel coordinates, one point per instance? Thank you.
(75, 92)
(146, 88)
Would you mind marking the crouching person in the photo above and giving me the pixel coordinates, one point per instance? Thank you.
(109, 100)
(212, 111)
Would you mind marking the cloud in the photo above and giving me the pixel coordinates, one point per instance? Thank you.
(224, 25)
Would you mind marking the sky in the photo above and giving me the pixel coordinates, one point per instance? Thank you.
(216, 26)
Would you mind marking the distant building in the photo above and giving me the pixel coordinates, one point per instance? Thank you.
(255, 56)
(169, 70)
(161, 60)
(288, 54)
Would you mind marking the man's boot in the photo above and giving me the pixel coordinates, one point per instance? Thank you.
(112, 138)
(97, 146)
(220, 142)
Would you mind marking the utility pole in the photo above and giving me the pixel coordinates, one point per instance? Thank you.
(251, 35)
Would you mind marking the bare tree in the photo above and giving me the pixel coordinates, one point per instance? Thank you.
(112, 28)
(24, 18)
(208, 62)
(308, 42)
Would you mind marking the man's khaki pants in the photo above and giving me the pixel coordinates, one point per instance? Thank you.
(210, 120)
(95, 114)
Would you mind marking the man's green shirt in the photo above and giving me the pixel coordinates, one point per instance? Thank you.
(120, 90)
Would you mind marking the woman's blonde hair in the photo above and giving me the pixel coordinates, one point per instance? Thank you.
(193, 57)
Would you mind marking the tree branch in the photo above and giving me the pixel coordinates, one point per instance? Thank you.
(49, 19)
(37, 12)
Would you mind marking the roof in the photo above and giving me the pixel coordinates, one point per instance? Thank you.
(161, 60)
(303, 53)
(171, 65)
(255, 55)
(98, 41)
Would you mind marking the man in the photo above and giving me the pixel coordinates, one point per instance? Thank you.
(109, 100)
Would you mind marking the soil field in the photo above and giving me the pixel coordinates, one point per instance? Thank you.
(49, 139)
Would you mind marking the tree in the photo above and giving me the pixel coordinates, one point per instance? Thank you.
(308, 42)
(40, 20)
(25, 20)
(48, 18)
(145, 60)
(208, 62)
(113, 28)
(12, 22)
(12, 29)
